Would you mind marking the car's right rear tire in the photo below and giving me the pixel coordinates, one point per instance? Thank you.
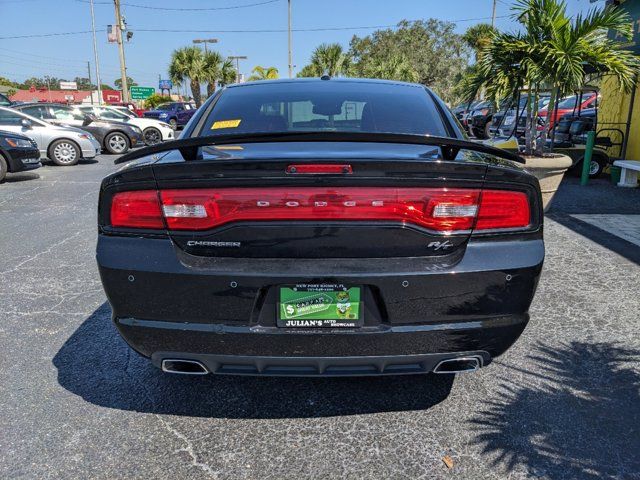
(64, 153)
(4, 168)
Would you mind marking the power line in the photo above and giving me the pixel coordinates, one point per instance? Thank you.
(59, 34)
(201, 9)
(39, 56)
(282, 30)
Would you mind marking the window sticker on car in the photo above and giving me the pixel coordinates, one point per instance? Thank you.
(229, 147)
(225, 124)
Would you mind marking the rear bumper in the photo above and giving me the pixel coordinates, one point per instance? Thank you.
(168, 304)
(367, 351)
(318, 366)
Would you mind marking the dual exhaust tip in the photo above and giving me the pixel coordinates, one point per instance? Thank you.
(459, 365)
(184, 367)
(450, 365)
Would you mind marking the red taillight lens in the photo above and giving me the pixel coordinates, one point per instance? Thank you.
(501, 209)
(437, 209)
(137, 209)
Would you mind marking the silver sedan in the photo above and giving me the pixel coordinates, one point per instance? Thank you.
(62, 144)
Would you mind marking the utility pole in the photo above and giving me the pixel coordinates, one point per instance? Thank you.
(205, 41)
(493, 14)
(89, 73)
(95, 56)
(123, 66)
(290, 53)
(237, 59)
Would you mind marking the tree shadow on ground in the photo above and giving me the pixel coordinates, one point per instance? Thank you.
(575, 416)
(598, 197)
(96, 364)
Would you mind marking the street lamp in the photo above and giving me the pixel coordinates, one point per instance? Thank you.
(237, 58)
(205, 41)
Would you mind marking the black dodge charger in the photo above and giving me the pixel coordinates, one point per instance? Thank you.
(320, 227)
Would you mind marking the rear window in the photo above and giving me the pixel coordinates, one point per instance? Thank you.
(325, 106)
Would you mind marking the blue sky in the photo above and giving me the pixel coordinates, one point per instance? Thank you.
(148, 53)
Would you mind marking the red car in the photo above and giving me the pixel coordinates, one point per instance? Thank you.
(131, 107)
(569, 104)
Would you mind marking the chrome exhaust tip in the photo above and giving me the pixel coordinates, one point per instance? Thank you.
(183, 367)
(459, 365)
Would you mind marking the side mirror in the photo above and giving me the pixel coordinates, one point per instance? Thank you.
(26, 123)
(88, 119)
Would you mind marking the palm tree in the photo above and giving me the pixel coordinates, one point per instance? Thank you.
(328, 59)
(478, 37)
(228, 73)
(263, 73)
(212, 65)
(552, 51)
(188, 63)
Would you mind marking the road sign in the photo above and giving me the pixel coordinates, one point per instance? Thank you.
(68, 85)
(165, 84)
(142, 93)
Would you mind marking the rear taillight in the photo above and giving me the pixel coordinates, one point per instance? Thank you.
(436, 209)
(503, 209)
(137, 209)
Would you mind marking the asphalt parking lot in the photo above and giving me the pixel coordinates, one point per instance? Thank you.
(563, 403)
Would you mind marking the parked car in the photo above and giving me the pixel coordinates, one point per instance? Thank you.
(359, 234)
(463, 110)
(153, 131)
(176, 114)
(504, 121)
(479, 119)
(17, 153)
(115, 137)
(130, 107)
(64, 145)
(4, 101)
(569, 105)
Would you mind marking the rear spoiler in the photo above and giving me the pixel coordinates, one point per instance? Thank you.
(189, 147)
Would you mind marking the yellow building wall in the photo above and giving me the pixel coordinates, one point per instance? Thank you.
(613, 111)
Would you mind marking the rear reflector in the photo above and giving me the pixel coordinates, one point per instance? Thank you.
(436, 209)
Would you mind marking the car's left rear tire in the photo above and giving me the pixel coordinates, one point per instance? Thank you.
(152, 136)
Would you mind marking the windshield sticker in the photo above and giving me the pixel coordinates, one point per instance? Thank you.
(229, 147)
(225, 124)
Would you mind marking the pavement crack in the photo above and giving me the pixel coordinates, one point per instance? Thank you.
(44, 252)
(189, 447)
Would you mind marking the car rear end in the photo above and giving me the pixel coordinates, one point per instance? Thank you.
(320, 258)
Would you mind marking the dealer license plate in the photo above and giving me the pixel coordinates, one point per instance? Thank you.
(319, 305)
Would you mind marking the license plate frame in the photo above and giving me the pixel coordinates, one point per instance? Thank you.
(322, 305)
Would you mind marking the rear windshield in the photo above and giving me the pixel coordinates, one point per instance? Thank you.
(325, 106)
